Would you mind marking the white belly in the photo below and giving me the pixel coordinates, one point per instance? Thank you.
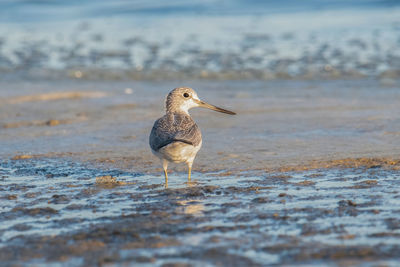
(178, 152)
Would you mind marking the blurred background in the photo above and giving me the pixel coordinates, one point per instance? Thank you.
(212, 39)
(306, 173)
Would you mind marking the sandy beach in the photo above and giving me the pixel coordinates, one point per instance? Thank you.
(305, 173)
(279, 123)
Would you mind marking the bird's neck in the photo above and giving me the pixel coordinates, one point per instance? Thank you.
(178, 112)
(184, 109)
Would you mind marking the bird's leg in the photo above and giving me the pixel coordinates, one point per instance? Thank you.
(165, 167)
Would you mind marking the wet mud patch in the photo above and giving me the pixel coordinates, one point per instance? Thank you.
(67, 213)
(354, 163)
(53, 96)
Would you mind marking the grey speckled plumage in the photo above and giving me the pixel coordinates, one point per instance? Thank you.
(175, 137)
(174, 127)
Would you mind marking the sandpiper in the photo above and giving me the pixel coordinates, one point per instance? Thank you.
(175, 137)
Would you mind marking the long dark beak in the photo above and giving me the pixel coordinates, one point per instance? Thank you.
(212, 107)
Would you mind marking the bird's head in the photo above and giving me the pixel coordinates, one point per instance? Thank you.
(184, 98)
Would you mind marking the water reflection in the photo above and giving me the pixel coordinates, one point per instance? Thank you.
(190, 206)
(255, 216)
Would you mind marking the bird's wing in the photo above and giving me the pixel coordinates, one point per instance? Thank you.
(174, 128)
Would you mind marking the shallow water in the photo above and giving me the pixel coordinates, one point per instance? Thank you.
(203, 40)
(333, 215)
(279, 123)
(33, 11)
(242, 209)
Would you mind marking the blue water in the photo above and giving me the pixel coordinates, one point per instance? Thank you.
(257, 39)
(47, 10)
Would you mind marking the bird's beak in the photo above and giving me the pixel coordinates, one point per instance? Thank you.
(212, 107)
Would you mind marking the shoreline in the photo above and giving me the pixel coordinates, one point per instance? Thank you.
(305, 173)
(385, 162)
(60, 212)
(280, 124)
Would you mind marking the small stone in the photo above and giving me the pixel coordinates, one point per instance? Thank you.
(52, 122)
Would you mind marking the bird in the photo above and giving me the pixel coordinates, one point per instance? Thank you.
(175, 137)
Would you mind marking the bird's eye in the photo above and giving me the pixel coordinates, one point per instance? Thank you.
(186, 95)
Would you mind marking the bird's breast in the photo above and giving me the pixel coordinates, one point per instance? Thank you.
(178, 152)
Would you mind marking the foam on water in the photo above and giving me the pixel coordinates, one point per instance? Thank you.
(300, 42)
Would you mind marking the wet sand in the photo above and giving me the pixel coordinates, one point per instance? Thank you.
(68, 214)
(279, 124)
(307, 172)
